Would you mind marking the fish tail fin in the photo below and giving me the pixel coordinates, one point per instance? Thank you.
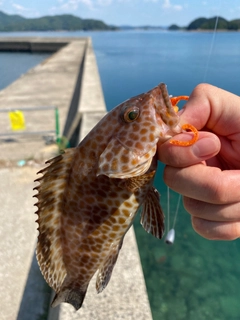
(74, 296)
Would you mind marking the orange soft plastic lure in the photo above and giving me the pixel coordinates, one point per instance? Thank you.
(188, 127)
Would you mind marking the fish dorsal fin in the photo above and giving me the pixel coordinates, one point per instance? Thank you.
(106, 268)
(116, 161)
(152, 217)
(50, 201)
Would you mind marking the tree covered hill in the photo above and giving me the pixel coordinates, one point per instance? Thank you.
(50, 23)
(209, 24)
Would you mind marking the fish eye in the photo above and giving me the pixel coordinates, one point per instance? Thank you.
(131, 114)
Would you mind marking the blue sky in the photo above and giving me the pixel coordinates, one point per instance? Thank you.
(127, 12)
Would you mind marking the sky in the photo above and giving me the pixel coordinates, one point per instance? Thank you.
(127, 12)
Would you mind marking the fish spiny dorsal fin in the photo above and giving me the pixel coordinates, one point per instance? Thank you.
(105, 270)
(50, 203)
(152, 217)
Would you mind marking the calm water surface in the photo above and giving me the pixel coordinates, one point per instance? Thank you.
(13, 65)
(194, 279)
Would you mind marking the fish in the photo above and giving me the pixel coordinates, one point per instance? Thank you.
(89, 195)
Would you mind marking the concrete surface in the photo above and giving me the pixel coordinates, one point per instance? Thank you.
(91, 100)
(26, 296)
(51, 83)
(17, 238)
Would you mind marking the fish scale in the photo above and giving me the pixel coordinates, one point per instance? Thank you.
(88, 197)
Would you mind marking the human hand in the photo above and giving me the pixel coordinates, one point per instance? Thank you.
(207, 173)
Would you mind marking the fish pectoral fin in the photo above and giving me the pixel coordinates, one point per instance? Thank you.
(135, 183)
(152, 217)
(105, 270)
(116, 161)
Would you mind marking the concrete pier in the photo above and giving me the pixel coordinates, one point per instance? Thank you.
(68, 80)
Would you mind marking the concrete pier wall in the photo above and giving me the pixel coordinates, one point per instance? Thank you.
(68, 79)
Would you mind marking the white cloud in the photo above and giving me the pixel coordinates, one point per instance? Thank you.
(167, 5)
(88, 3)
(177, 7)
(19, 8)
(104, 2)
(73, 4)
(151, 1)
(28, 12)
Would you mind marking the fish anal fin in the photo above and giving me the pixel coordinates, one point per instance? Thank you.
(152, 217)
(105, 270)
(52, 185)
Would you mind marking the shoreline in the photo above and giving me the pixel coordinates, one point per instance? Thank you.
(121, 30)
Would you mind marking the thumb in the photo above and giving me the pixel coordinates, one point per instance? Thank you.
(206, 147)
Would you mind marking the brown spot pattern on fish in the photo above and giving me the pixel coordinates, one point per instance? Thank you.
(88, 197)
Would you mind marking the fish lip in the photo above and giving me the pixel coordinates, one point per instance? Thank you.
(165, 95)
(163, 106)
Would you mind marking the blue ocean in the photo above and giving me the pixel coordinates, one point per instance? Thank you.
(194, 279)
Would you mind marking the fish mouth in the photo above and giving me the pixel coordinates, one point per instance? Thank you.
(166, 116)
(166, 97)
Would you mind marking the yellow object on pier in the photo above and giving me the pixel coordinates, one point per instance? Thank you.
(17, 120)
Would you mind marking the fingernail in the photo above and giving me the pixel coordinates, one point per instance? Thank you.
(205, 147)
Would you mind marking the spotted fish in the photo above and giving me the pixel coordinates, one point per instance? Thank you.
(89, 195)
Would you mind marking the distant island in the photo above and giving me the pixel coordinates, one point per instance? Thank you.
(209, 24)
(68, 22)
(50, 23)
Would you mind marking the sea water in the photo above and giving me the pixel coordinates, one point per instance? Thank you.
(14, 64)
(194, 279)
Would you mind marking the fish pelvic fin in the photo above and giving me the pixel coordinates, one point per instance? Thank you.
(51, 188)
(105, 270)
(74, 296)
(152, 217)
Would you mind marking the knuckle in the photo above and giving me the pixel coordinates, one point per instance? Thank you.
(191, 205)
(202, 88)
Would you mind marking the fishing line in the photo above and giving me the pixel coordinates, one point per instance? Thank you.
(177, 209)
(211, 47)
(168, 209)
(170, 237)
